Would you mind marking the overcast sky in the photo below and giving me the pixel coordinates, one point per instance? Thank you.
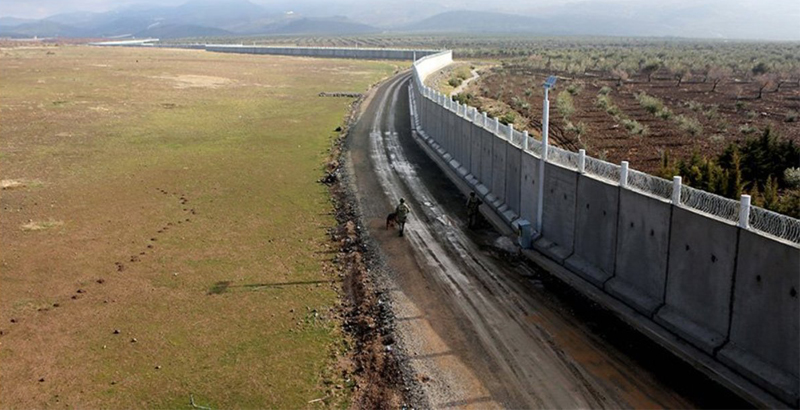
(44, 8)
(750, 18)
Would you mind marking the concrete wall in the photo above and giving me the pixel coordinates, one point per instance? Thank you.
(498, 183)
(765, 333)
(642, 248)
(529, 190)
(326, 52)
(597, 208)
(513, 175)
(729, 292)
(702, 255)
(558, 216)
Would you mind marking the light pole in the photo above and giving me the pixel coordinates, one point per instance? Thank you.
(548, 84)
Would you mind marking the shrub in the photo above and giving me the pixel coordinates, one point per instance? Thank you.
(791, 116)
(688, 124)
(791, 176)
(507, 118)
(454, 82)
(564, 105)
(634, 127)
(649, 103)
(606, 90)
(574, 89)
(747, 129)
(694, 106)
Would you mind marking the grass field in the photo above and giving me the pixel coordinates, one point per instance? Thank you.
(163, 233)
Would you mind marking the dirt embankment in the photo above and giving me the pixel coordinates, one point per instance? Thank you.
(373, 362)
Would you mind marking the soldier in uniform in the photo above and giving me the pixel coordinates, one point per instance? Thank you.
(402, 211)
(473, 202)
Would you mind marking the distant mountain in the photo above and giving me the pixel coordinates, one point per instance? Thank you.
(322, 26)
(41, 28)
(181, 31)
(464, 21)
(13, 21)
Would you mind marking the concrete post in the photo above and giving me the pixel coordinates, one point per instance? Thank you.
(485, 118)
(496, 126)
(744, 212)
(676, 190)
(623, 175)
(525, 140)
(582, 161)
(511, 133)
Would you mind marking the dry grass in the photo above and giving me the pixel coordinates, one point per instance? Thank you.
(165, 192)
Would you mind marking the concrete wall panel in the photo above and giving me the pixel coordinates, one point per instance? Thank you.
(702, 254)
(558, 216)
(487, 140)
(642, 245)
(513, 175)
(498, 183)
(475, 150)
(529, 191)
(597, 209)
(765, 328)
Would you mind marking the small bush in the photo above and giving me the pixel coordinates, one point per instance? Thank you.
(507, 118)
(694, 106)
(649, 103)
(712, 112)
(634, 127)
(454, 82)
(791, 116)
(605, 90)
(574, 89)
(792, 177)
(664, 113)
(688, 124)
(564, 105)
(579, 128)
(748, 129)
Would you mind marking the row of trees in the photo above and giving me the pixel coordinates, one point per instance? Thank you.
(767, 168)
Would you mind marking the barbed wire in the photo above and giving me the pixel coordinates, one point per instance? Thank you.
(775, 224)
(709, 203)
(649, 184)
(602, 169)
(760, 220)
(567, 159)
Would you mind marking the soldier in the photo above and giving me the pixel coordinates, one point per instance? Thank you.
(402, 211)
(473, 202)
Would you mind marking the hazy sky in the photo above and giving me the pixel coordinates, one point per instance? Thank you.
(733, 18)
(44, 8)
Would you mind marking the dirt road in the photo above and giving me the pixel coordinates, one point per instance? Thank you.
(479, 328)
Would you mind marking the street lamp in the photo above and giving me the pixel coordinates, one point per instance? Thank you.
(548, 84)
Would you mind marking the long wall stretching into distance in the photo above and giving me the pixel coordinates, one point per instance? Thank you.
(720, 275)
(329, 52)
(719, 278)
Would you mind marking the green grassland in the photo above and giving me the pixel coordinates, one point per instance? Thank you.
(177, 203)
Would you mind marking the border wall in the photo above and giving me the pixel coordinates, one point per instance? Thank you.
(321, 52)
(720, 276)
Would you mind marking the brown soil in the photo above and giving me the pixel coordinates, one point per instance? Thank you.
(371, 363)
(723, 114)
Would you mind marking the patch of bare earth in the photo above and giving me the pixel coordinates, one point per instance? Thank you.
(372, 362)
